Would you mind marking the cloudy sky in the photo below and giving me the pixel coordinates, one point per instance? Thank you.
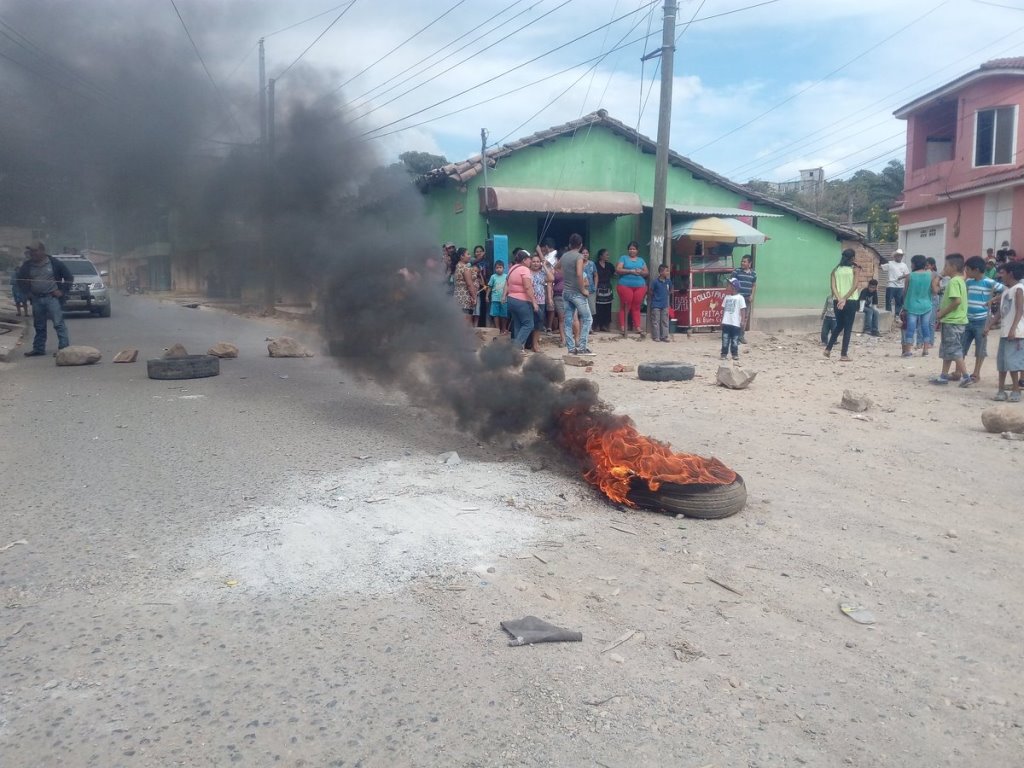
(762, 88)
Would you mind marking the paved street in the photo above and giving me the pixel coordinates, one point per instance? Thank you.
(274, 567)
(123, 640)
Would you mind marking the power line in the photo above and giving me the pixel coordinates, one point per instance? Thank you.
(804, 90)
(317, 40)
(506, 72)
(205, 68)
(304, 21)
(757, 164)
(517, 89)
(536, 58)
(431, 55)
(414, 35)
(593, 66)
(453, 66)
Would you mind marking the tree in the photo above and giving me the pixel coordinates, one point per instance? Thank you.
(420, 163)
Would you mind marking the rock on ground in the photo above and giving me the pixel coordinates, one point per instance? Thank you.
(78, 355)
(735, 378)
(285, 346)
(579, 362)
(854, 402)
(128, 355)
(223, 349)
(175, 351)
(1003, 418)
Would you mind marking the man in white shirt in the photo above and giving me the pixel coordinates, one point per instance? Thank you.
(896, 273)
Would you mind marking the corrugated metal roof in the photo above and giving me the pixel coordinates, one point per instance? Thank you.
(715, 210)
(467, 169)
(526, 200)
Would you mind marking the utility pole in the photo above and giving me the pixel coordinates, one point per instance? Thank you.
(263, 97)
(483, 160)
(668, 40)
(269, 260)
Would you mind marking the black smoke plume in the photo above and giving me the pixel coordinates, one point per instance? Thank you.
(111, 124)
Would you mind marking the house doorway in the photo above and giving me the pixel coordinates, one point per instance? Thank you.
(559, 229)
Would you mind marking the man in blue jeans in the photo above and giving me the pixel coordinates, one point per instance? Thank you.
(45, 280)
(574, 297)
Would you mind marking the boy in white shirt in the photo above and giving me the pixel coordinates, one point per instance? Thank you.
(734, 315)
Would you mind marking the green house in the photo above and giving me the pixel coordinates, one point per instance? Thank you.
(595, 176)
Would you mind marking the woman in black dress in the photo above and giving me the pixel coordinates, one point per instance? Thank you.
(605, 273)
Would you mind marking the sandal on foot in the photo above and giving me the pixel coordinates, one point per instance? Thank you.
(828, 353)
(1001, 396)
(1015, 397)
(845, 359)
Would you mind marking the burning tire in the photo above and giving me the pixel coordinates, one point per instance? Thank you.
(665, 371)
(707, 502)
(188, 367)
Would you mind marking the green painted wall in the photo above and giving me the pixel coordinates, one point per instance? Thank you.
(793, 266)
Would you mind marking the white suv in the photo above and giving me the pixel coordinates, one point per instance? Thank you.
(89, 293)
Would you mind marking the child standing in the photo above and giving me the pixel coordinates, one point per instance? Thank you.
(980, 290)
(952, 319)
(734, 314)
(828, 319)
(495, 292)
(1010, 359)
(661, 289)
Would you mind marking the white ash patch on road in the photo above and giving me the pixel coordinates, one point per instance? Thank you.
(375, 529)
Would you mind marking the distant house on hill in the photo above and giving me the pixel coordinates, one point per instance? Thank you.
(964, 184)
(595, 176)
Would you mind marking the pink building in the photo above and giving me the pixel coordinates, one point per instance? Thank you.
(964, 187)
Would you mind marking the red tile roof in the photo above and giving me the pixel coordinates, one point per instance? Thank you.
(997, 177)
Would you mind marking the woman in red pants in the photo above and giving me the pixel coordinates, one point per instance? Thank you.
(632, 272)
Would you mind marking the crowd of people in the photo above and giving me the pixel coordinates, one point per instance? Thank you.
(569, 294)
(963, 303)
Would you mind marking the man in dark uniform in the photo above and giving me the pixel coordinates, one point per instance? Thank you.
(45, 280)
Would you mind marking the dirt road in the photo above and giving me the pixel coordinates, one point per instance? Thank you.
(315, 586)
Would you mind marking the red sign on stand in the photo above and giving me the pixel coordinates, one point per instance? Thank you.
(700, 307)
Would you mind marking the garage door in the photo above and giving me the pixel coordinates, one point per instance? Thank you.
(928, 241)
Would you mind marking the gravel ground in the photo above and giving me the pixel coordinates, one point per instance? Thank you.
(276, 566)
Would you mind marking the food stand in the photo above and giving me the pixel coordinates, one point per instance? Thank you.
(703, 257)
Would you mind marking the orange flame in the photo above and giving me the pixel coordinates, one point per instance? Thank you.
(616, 454)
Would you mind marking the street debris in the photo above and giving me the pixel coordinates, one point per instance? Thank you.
(734, 378)
(619, 368)
(223, 349)
(127, 355)
(854, 402)
(530, 630)
(78, 355)
(285, 346)
(1003, 418)
(579, 362)
(723, 585)
(175, 352)
(615, 644)
(858, 613)
(451, 458)
(5, 547)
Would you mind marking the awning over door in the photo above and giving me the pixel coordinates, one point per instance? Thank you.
(568, 201)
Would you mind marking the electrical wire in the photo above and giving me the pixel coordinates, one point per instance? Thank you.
(449, 44)
(506, 72)
(304, 21)
(413, 36)
(216, 88)
(756, 165)
(804, 90)
(453, 66)
(315, 41)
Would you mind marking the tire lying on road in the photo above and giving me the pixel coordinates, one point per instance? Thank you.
(188, 367)
(665, 371)
(707, 502)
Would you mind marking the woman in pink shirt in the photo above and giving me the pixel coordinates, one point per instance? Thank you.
(522, 301)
